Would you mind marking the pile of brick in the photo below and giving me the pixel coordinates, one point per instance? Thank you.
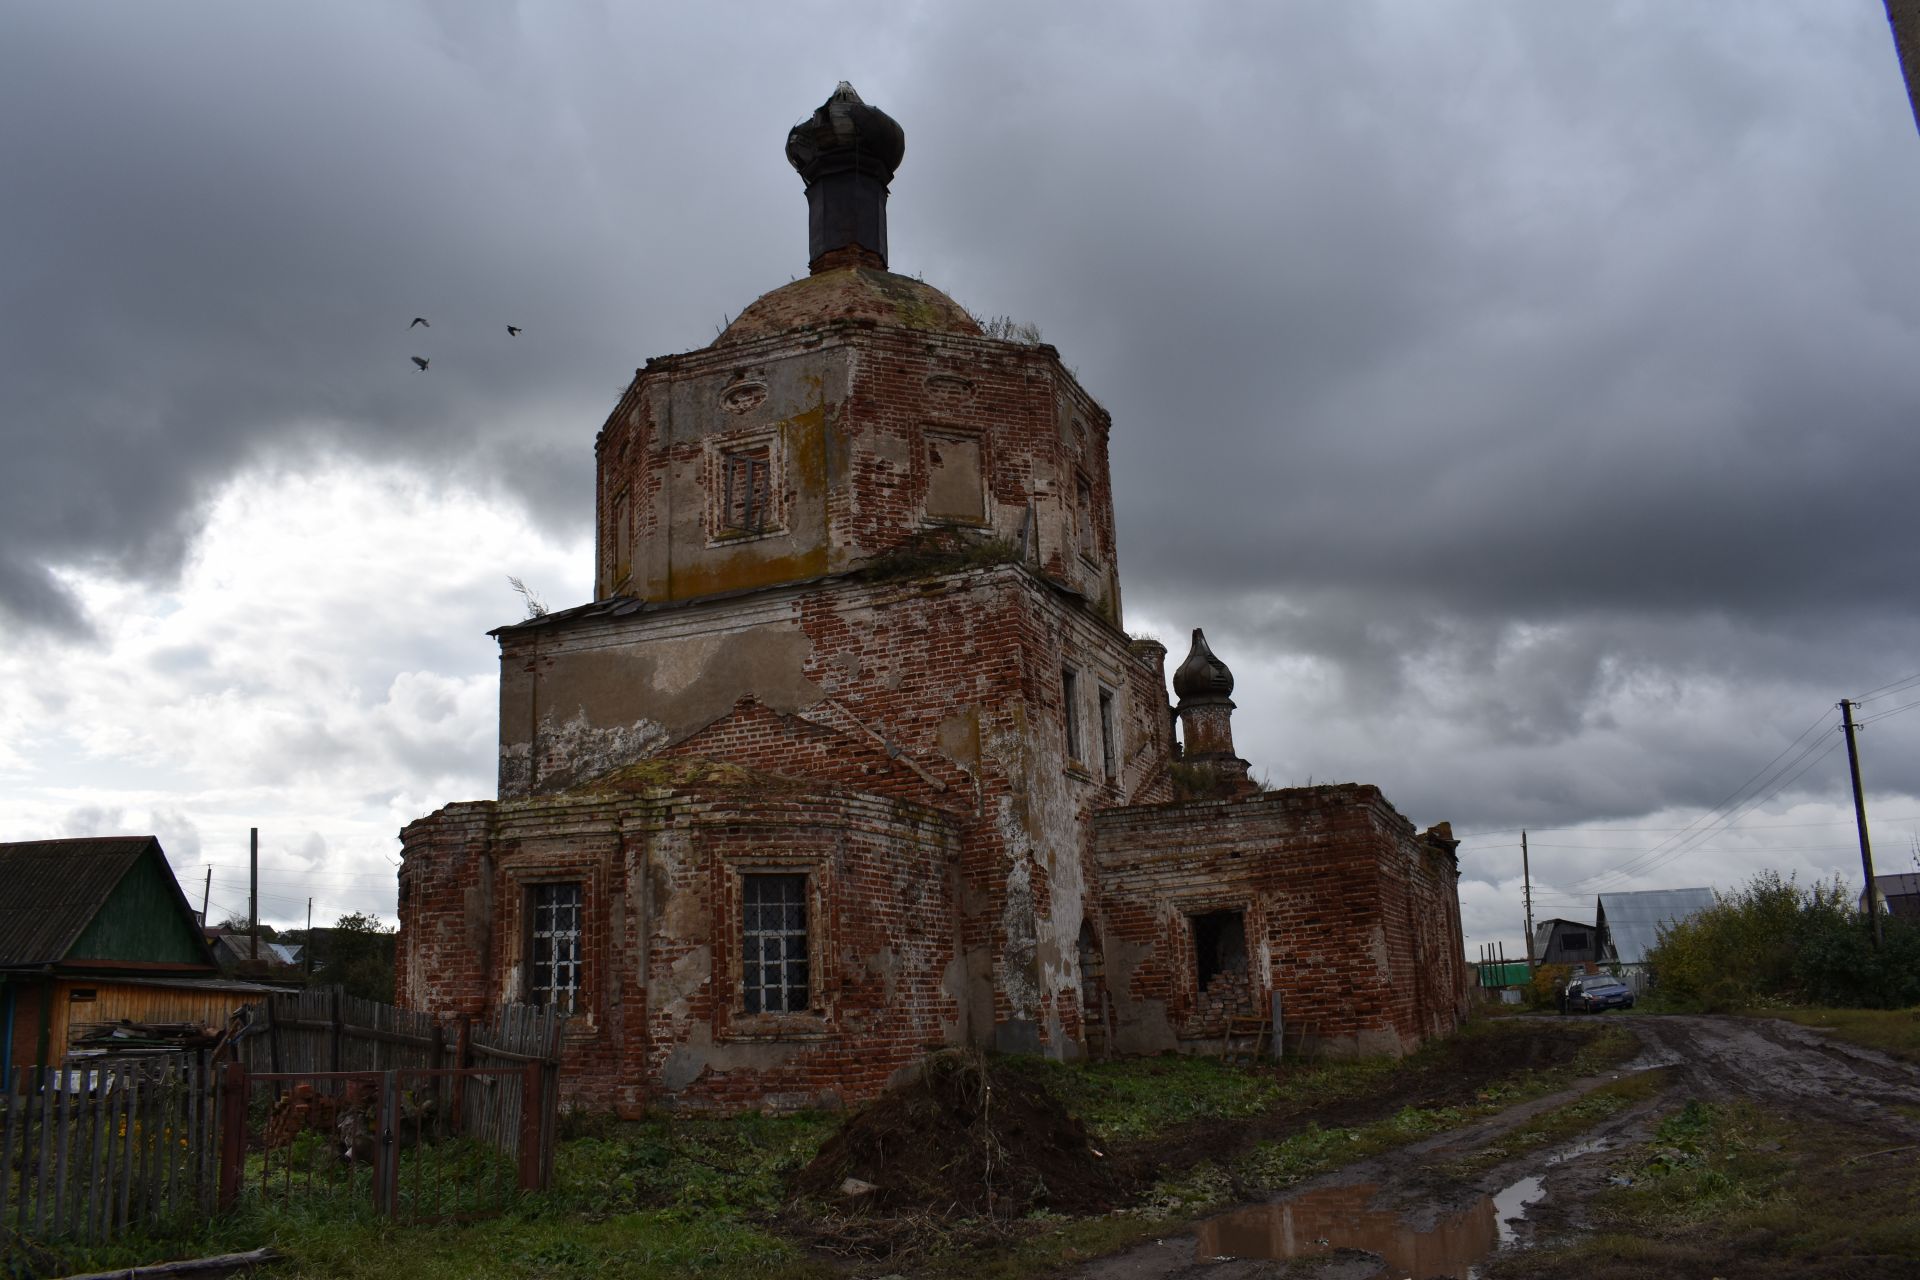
(1227, 996)
(304, 1109)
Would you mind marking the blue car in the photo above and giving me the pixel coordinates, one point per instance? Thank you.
(1596, 993)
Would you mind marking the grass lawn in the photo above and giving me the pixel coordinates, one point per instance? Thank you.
(708, 1198)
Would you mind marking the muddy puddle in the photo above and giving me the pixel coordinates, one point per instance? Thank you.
(1338, 1218)
(1319, 1222)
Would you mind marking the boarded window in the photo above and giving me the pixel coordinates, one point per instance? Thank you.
(553, 946)
(1109, 743)
(773, 943)
(746, 490)
(1083, 511)
(1219, 945)
(1070, 699)
(955, 490)
(622, 537)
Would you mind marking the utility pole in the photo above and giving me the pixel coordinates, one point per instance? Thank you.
(307, 955)
(253, 888)
(1860, 820)
(206, 898)
(1526, 879)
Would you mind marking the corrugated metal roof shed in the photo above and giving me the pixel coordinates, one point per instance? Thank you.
(1900, 891)
(50, 891)
(1630, 923)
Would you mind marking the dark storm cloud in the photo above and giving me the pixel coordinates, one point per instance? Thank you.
(1495, 364)
(225, 219)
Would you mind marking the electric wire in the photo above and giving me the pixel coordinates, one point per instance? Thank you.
(1882, 715)
(1886, 689)
(1662, 856)
(1707, 821)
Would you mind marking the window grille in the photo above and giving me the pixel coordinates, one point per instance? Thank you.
(553, 966)
(747, 490)
(773, 948)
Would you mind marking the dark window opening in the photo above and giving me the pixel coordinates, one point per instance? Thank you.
(1092, 1020)
(553, 950)
(1219, 945)
(1070, 695)
(773, 937)
(1571, 941)
(746, 490)
(1109, 747)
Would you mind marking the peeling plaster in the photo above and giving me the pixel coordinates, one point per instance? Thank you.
(1017, 920)
(590, 751)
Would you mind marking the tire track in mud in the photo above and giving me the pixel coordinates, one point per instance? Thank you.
(1774, 1063)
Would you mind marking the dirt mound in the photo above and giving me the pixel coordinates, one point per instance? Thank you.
(966, 1136)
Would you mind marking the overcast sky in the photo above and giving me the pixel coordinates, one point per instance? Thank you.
(1524, 397)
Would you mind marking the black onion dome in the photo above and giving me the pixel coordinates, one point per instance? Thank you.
(1202, 677)
(846, 130)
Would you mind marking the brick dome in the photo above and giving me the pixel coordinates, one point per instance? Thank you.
(850, 293)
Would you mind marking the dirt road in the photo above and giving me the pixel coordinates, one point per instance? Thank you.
(1442, 1206)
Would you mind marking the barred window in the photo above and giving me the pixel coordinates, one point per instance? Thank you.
(746, 498)
(774, 943)
(553, 950)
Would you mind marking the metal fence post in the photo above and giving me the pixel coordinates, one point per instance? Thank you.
(386, 1147)
(531, 1111)
(233, 1133)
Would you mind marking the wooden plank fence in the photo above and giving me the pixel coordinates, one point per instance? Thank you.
(326, 1030)
(102, 1145)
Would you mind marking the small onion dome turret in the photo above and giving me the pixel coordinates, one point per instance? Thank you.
(1202, 677)
(846, 152)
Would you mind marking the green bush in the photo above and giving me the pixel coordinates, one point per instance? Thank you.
(1777, 940)
(1543, 988)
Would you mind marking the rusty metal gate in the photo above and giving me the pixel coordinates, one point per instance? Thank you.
(417, 1144)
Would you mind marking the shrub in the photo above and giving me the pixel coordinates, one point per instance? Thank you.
(1543, 989)
(1774, 940)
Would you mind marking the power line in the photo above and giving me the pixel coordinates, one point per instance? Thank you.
(1611, 831)
(1882, 715)
(1662, 855)
(1885, 689)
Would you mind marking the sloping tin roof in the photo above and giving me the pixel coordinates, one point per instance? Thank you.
(1901, 892)
(1632, 921)
(51, 890)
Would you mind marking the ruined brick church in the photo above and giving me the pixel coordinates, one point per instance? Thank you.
(852, 758)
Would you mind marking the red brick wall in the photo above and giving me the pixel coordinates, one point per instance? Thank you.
(661, 1020)
(1344, 907)
(852, 407)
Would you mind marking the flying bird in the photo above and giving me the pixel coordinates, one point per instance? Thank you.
(513, 330)
(419, 320)
(421, 362)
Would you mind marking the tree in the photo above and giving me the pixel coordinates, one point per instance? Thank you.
(357, 956)
(237, 923)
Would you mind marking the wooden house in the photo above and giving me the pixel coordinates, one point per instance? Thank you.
(96, 930)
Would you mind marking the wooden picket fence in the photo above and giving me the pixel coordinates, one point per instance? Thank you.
(102, 1145)
(311, 1031)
